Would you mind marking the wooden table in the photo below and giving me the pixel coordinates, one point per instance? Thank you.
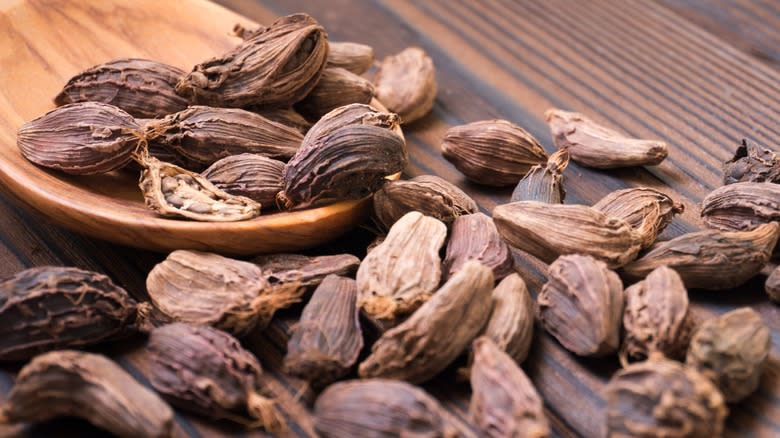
(699, 74)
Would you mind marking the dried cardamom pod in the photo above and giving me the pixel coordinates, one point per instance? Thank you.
(206, 371)
(285, 116)
(581, 305)
(81, 138)
(327, 340)
(208, 289)
(70, 383)
(201, 135)
(278, 66)
(173, 191)
(379, 408)
(337, 87)
(475, 237)
(710, 259)
(428, 194)
(547, 231)
(141, 87)
(504, 402)
(354, 57)
(511, 324)
(647, 210)
(594, 145)
(741, 206)
(51, 308)
(663, 398)
(402, 272)
(544, 183)
(731, 350)
(353, 114)
(406, 83)
(752, 163)
(250, 175)
(492, 152)
(656, 317)
(304, 270)
(428, 341)
(772, 285)
(347, 163)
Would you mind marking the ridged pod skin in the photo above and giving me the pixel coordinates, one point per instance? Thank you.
(406, 83)
(51, 308)
(438, 332)
(731, 350)
(581, 305)
(206, 371)
(250, 175)
(278, 66)
(593, 145)
(354, 57)
(379, 408)
(547, 231)
(475, 237)
(544, 183)
(428, 194)
(511, 323)
(742, 206)
(711, 259)
(70, 383)
(326, 341)
(662, 398)
(142, 88)
(504, 402)
(285, 116)
(772, 285)
(307, 271)
(403, 271)
(337, 87)
(81, 138)
(752, 163)
(492, 152)
(352, 114)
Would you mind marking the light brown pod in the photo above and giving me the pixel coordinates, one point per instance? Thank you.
(547, 231)
(731, 350)
(593, 145)
(581, 305)
(711, 259)
(354, 57)
(278, 66)
(142, 88)
(511, 323)
(337, 87)
(504, 402)
(772, 285)
(741, 206)
(663, 398)
(307, 271)
(428, 194)
(208, 289)
(475, 237)
(70, 383)
(492, 152)
(647, 210)
(752, 163)
(428, 341)
(402, 272)
(544, 183)
(656, 317)
(249, 175)
(406, 83)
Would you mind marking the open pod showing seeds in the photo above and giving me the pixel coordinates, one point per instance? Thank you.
(752, 163)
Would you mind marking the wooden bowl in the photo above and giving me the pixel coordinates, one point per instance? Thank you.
(43, 44)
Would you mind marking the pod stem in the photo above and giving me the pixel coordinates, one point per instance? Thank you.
(265, 410)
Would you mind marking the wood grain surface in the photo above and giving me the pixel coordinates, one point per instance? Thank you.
(677, 71)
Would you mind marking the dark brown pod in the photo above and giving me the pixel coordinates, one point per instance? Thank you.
(511, 323)
(752, 163)
(206, 371)
(337, 87)
(286, 116)
(353, 114)
(142, 88)
(307, 271)
(250, 175)
(278, 66)
(51, 308)
(544, 182)
(475, 237)
(741, 206)
(81, 138)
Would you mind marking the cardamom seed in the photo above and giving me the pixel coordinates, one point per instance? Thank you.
(250, 175)
(304, 270)
(752, 163)
(742, 206)
(337, 87)
(772, 285)
(475, 237)
(406, 83)
(354, 57)
(511, 323)
(544, 183)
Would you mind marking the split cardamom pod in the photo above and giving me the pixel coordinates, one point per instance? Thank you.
(581, 305)
(594, 145)
(731, 350)
(711, 259)
(250, 175)
(772, 285)
(752, 163)
(70, 383)
(406, 83)
(327, 340)
(142, 88)
(428, 194)
(284, 116)
(547, 231)
(337, 87)
(492, 152)
(742, 206)
(278, 66)
(354, 57)
(475, 237)
(305, 271)
(544, 183)
(433, 336)
(656, 317)
(504, 402)
(661, 397)
(511, 323)
(403, 271)
(206, 371)
(81, 138)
